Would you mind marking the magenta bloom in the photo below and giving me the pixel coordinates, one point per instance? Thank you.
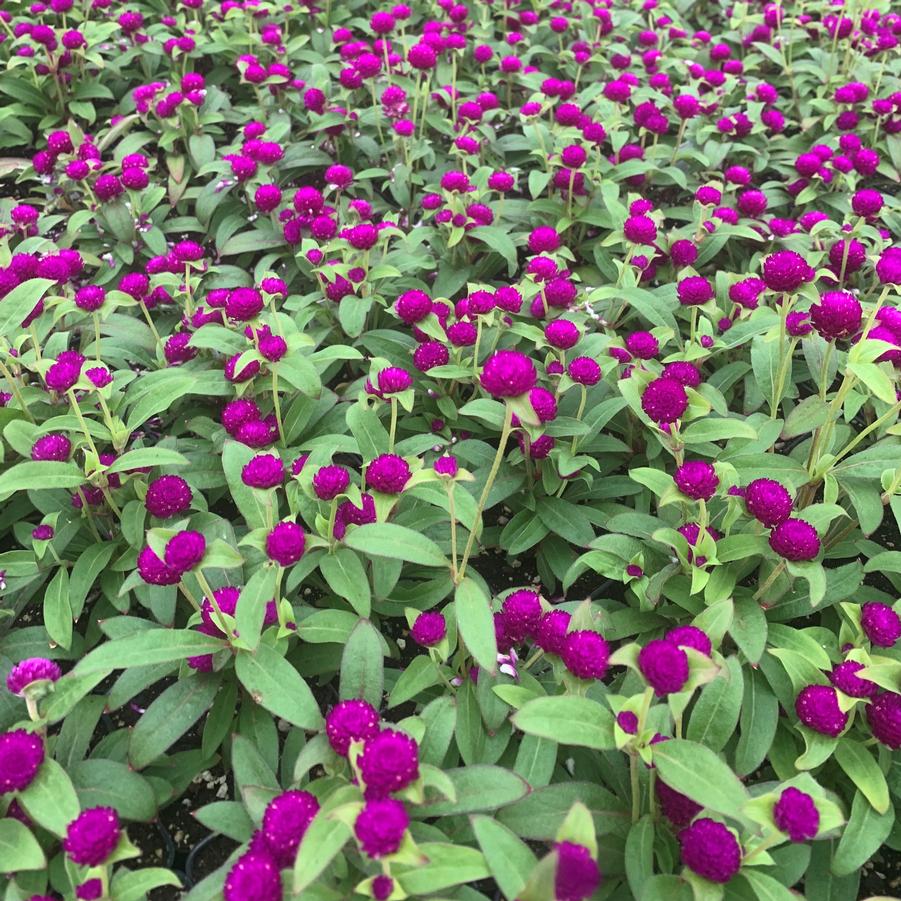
(697, 480)
(544, 239)
(664, 665)
(285, 821)
(30, 670)
(154, 572)
(521, 612)
(508, 373)
(586, 654)
(21, 756)
(710, 850)
(880, 624)
(585, 371)
(640, 230)
(330, 481)
(185, 550)
(786, 271)
(168, 496)
(817, 708)
(446, 466)
(768, 502)
(52, 447)
(285, 543)
(429, 629)
(348, 721)
(577, 875)
(837, 315)
(690, 637)
(888, 268)
(92, 836)
(389, 763)
(664, 400)
(263, 471)
(550, 635)
(694, 290)
(254, 875)
(844, 677)
(413, 306)
(388, 473)
(884, 717)
(795, 540)
(562, 334)
(380, 827)
(679, 809)
(796, 815)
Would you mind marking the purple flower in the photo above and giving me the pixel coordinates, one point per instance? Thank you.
(844, 677)
(795, 540)
(393, 380)
(796, 815)
(785, 271)
(348, 721)
(227, 600)
(429, 629)
(388, 473)
(584, 371)
(51, 447)
(562, 334)
(243, 304)
(389, 763)
(254, 875)
(686, 374)
(642, 345)
(30, 670)
(92, 836)
(382, 887)
(285, 543)
(679, 809)
(446, 466)
(768, 502)
(884, 717)
(694, 290)
(430, 354)
(710, 850)
(508, 373)
(817, 708)
(330, 481)
(837, 315)
(628, 722)
(664, 400)
(380, 827)
(690, 637)
(640, 230)
(263, 471)
(89, 890)
(185, 550)
(544, 403)
(798, 324)
(586, 654)
(21, 756)
(880, 624)
(413, 306)
(888, 268)
(550, 635)
(154, 572)
(285, 821)
(167, 496)
(577, 874)
(521, 611)
(697, 480)
(544, 239)
(664, 665)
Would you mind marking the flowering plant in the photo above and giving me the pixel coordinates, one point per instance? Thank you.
(450, 449)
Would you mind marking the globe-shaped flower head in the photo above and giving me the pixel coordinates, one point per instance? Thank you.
(664, 400)
(837, 315)
(92, 836)
(508, 373)
(254, 875)
(429, 628)
(285, 543)
(348, 721)
(880, 624)
(388, 473)
(884, 717)
(664, 665)
(286, 819)
(785, 271)
(577, 875)
(696, 479)
(796, 815)
(21, 756)
(380, 827)
(817, 708)
(795, 540)
(30, 671)
(768, 502)
(709, 849)
(521, 611)
(586, 654)
(389, 763)
(330, 481)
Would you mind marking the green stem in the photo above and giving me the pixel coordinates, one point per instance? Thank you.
(492, 475)
(208, 593)
(393, 432)
(14, 384)
(277, 407)
(636, 791)
(453, 527)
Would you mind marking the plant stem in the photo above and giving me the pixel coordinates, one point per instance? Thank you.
(391, 435)
(14, 384)
(492, 475)
(453, 527)
(636, 790)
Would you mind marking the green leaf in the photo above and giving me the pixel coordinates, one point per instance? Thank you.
(169, 716)
(679, 762)
(566, 520)
(766, 361)
(475, 623)
(86, 571)
(499, 240)
(346, 577)
(50, 799)
(327, 626)
(716, 711)
(109, 783)
(18, 304)
(864, 772)
(385, 539)
(709, 429)
(757, 724)
(251, 502)
(365, 426)
(147, 456)
(478, 788)
(43, 474)
(273, 683)
(135, 885)
(446, 865)
(320, 844)
(765, 887)
(19, 849)
(640, 855)
(57, 610)
(864, 834)
(568, 720)
(418, 675)
(509, 859)
(363, 665)
(146, 647)
(251, 242)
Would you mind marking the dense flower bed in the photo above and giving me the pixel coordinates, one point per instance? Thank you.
(467, 434)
